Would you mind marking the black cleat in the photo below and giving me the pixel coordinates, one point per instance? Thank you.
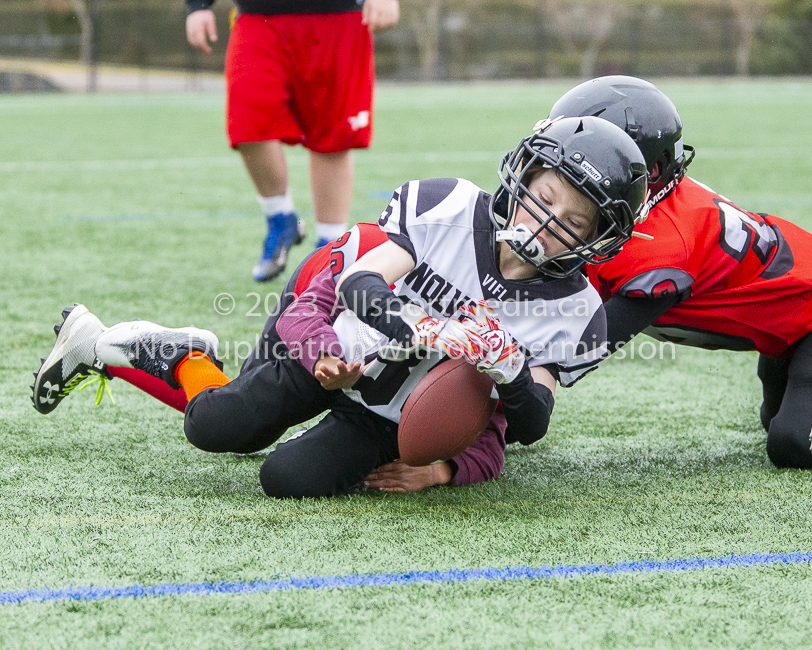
(154, 349)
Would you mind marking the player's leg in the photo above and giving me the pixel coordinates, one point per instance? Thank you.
(331, 457)
(267, 167)
(331, 183)
(773, 374)
(259, 120)
(173, 397)
(790, 434)
(84, 348)
(254, 410)
(335, 113)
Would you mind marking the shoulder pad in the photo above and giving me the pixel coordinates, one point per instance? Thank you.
(658, 283)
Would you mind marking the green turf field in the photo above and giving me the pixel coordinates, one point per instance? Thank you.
(134, 206)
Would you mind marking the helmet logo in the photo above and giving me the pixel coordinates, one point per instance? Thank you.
(593, 173)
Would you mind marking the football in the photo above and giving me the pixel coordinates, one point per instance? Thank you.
(445, 413)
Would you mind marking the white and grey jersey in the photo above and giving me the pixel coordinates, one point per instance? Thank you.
(444, 225)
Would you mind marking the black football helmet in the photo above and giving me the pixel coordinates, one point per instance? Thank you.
(644, 112)
(600, 161)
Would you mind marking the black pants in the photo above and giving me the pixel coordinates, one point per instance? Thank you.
(271, 395)
(786, 412)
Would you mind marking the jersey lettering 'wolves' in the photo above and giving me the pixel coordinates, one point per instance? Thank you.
(435, 290)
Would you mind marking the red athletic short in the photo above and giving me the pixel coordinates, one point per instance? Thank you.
(302, 79)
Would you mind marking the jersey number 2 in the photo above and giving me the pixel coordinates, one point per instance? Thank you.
(740, 232)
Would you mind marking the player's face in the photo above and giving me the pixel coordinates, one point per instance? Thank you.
(571, 207)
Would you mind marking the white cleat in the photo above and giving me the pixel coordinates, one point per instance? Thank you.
(71, 361)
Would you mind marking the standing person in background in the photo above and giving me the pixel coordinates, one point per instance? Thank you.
(298, 72)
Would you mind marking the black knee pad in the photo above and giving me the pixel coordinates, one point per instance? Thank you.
(787, 446)
(282, 477)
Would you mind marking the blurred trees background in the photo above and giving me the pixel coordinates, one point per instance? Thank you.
(459, 39)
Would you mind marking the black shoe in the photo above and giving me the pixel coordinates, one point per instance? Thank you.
(154, 349)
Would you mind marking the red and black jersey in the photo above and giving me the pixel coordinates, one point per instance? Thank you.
(743, 280)
(363, 237)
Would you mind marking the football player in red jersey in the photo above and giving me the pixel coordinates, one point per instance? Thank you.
(705, 272)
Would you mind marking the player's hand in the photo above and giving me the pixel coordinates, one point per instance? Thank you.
(505, 359)
(201, 27)
(334, 374)
(380, 15)
(446, 335)
(400, 477)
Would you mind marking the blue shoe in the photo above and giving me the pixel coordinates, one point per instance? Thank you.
(283, 232)
(321, 242)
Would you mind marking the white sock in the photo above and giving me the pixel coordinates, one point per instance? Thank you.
(330, 231)
(272, 205)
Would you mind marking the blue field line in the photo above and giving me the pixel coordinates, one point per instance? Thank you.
(451, 576)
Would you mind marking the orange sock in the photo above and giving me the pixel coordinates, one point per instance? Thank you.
(197, 372)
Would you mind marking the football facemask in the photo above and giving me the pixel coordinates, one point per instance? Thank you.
(596, 158)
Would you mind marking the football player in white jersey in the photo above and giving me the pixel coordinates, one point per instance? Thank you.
(570, 194)
(494, 279)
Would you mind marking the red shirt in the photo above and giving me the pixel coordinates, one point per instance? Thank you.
(744, 279)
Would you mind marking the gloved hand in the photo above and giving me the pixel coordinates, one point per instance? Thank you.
(505, 359)
(447, 335)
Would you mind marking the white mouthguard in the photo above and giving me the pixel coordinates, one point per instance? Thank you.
(520, 234)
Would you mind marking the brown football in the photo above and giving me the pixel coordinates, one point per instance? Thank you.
(445, 414)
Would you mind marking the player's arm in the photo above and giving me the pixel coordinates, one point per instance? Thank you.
(527, 394)
(364, 289)
(627, 317)
(201, 25)
(528, 403)
(305, 327)
(642, 290)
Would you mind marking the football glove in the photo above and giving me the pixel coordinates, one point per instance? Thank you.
(446, 335)
(505, 359)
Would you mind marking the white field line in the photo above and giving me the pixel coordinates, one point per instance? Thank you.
(147, 164)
